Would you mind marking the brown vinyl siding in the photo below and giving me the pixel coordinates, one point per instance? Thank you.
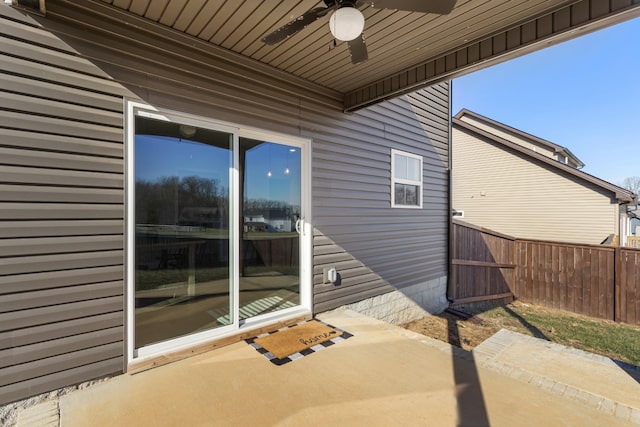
(524, 197)
(63, 188)
(61, 214)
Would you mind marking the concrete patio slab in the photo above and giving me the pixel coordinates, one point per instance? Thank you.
(382, 376)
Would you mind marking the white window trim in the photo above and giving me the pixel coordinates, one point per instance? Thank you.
(395, 180)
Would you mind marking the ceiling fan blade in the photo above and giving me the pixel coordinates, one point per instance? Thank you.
(358, 49)
(441, 7)
(296, 25)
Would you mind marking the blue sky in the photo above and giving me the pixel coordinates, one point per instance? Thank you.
(158, 157)
(583, 94)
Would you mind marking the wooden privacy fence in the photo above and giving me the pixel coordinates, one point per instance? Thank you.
(598, 281)
(482, 264)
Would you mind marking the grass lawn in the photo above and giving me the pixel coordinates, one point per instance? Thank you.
(607, 338)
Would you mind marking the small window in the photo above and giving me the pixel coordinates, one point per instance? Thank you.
(406, 180)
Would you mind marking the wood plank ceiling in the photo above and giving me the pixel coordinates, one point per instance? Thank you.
(396, 40)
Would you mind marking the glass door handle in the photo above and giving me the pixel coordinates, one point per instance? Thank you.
(299, 226)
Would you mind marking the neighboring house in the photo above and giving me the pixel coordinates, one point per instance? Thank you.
(518, 184)
(138, 136)
(635, 223)
(273, 219)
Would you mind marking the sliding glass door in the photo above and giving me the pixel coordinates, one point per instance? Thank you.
(216, 230)
(182, 206)
(271, 218)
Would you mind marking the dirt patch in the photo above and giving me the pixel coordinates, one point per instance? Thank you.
(618, 341)
(452, 329)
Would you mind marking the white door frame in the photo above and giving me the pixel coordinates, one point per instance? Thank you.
(134, 355)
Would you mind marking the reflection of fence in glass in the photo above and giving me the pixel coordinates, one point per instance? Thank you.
(273, 254)
(169, 260)
(182, 274)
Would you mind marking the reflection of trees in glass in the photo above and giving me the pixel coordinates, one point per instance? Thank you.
(190, 200)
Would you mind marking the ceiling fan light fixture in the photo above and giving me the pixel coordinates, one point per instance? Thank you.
(346, 23)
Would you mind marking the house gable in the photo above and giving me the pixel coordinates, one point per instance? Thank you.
(621, 194)
(539, 145)
(504, 186)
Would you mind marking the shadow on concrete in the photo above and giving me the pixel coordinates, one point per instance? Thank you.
(531, 328)
(631, 370)
(472, 410)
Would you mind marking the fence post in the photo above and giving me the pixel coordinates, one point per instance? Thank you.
(452, 285)
(617, 273)
(516, 289)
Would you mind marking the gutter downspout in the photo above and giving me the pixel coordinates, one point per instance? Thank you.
(450, 202)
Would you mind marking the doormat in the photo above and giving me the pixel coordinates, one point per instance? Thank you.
(291, 343)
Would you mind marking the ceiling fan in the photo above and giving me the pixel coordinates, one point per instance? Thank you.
(347, 22)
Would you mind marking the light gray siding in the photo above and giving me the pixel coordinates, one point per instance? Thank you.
(62, 189)
(61, 214)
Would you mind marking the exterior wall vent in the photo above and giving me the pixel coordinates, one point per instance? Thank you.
(37, 6)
